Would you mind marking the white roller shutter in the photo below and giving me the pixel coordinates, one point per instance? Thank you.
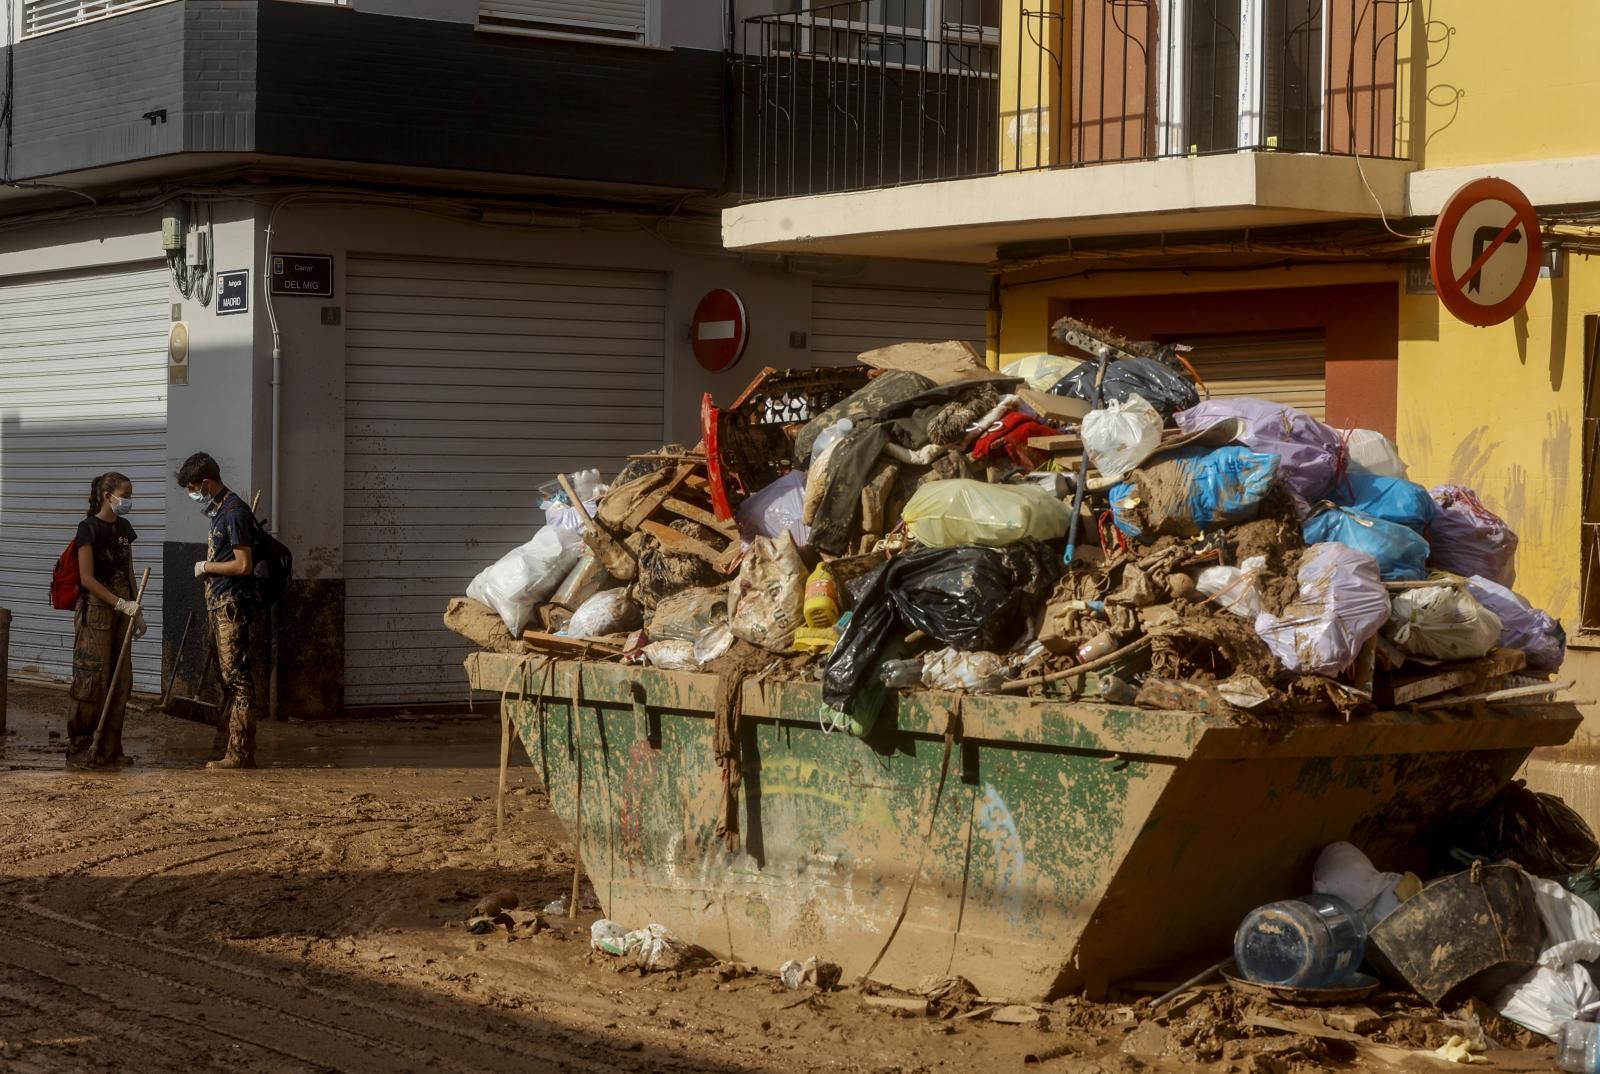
(83, 390)
(467, 386)
(847, 320)
(606, 18)
(1284, 367)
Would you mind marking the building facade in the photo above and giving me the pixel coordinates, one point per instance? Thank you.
(1260, 178)
(396, 263)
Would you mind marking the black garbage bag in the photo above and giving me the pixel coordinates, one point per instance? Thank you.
(1538, 831)
(1167, 389)
(968, 598)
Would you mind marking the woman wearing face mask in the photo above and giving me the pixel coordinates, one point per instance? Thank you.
(106, 612)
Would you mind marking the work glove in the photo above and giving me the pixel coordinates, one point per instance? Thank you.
(139, 629)
(200, 569)
(127, 607)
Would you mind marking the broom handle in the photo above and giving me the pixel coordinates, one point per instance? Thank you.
(116, 669)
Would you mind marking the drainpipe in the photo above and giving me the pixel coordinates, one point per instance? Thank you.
(274, 503)
(992, 325)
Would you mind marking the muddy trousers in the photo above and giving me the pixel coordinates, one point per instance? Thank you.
(99, 630)
(237, 628)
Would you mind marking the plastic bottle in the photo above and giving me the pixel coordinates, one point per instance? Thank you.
(1314, 942)
(901, 674)
(822, 598)
(1102, 644)
(837, 431)
(1578, 1048)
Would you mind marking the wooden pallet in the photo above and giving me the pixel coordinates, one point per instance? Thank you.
(1489, 673)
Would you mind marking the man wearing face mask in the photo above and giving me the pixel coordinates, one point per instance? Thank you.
(231, 604)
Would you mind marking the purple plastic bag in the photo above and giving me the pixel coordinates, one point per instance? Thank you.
(1467, 538)
(1310, 451)
(1522, 625)
(1342, 604)
(777, 509)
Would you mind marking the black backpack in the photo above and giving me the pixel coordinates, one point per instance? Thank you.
(274, 564)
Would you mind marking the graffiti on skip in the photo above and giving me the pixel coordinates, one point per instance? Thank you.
(998, 828)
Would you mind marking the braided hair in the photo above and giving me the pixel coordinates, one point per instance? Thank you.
(103, 486)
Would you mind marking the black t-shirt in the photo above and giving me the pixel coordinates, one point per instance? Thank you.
(112, 543)
(232, 527)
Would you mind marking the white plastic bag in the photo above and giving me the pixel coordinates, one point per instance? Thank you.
(605, 613)
(778, 508)
(589, 487)
(1234, 588)
(766, 602)
(1443, 622)
(948, 669)
(1342, 870)
(525, 577)
(672, 655)
(1370, 452)
(1121, 436)
(608, 936)
(685, 615)
(1041, 371)
(654, 948)
(1561, 987)
(1341, 606)
(960, 511)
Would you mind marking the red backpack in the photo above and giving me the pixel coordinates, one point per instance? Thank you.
(65, 586)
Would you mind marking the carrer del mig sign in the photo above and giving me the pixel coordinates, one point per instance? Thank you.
(302, 274)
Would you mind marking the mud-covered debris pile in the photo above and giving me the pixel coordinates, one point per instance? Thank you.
(1101, 527)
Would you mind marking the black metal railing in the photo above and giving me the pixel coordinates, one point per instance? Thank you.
(875, 93)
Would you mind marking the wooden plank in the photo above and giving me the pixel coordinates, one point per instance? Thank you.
(577, 648)
(651, 503)
(1498, 664)
(728, 529)
(683, 543)
(1061, 442)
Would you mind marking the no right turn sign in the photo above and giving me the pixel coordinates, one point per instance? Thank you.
(1486, 252)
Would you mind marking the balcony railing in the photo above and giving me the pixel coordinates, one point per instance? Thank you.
(876, 93)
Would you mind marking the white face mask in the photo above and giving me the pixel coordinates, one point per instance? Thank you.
(120, 507)
(199, 497)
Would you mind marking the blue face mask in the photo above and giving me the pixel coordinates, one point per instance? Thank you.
(122, 507)
(199, 497)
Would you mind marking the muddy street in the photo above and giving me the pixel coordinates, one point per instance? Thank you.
(310, 917)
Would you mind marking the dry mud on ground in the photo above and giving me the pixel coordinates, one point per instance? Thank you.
(309, 917)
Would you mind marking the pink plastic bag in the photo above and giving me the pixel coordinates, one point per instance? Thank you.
(1467, 538)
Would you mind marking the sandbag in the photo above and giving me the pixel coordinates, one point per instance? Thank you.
(479, 624)
(1442, 622)
(766, 602)
(779, 508)
(1310, 451)
(1392, 499)
(1041, 371)
(960, 511)
(1121, 436)
(1370, 452)
(1342, 604)
(1167, 389)
(969, 599)
(1467, 538)
(526, 576)
(611, 612)
(1522, 626)
(1401, 553)
(1192, 490)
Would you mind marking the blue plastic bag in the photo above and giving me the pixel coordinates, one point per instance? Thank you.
(1393, 499)
(1401, 553)
(1193, 490)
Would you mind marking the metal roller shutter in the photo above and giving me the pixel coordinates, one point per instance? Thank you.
(1285, 367)
(607, 18)
(848, 320)
(468, 385)
(83, 390)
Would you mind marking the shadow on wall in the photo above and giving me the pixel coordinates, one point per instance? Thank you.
(46, 466)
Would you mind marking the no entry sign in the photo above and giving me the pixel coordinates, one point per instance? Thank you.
(720, 330)
(1486, 252)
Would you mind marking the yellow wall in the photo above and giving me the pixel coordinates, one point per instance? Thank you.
(1499, 409)
(1509, 81)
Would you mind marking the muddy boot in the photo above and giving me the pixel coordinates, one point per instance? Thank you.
(231, 762)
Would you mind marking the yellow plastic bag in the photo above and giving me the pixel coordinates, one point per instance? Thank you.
(1041, 371)
(942, 514)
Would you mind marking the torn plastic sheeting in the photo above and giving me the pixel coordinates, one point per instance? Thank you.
(961, 511)
(1193, 490)
(1342, 604)
(1392, 499)
(1401, 553)
(969, 599)
(1442, 622)
(1467, 538)
(1522, 626)
(1167, 389)
(1311, 452)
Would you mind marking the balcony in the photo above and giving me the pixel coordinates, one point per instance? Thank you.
(953, 129)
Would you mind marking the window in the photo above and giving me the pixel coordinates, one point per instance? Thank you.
(43, 16)
(1243, 74)
(615, 20)
(952, 36)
